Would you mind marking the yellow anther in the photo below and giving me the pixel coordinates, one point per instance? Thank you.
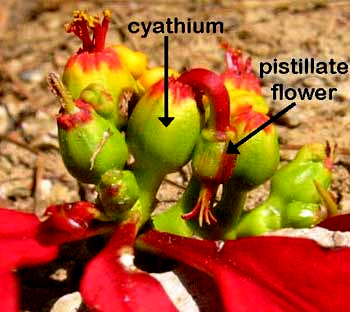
(107, 14)
(80, 16)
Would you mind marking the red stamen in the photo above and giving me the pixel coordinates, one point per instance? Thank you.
(239, 71)
(193, 213)
(105, 25)
(248, 65)
(98, 44)
(330, 156)
(85, 36)
(234, 60)
(81, 26)
(203, 207)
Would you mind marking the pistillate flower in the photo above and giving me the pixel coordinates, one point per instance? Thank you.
(211, 164)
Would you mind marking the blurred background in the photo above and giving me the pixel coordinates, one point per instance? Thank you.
(33, 43)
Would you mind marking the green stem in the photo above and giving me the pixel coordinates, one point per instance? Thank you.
(230, 208)
(170, 220)
(149, 180)
(227, 211)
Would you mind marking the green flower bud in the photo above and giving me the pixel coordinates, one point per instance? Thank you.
(165, 148)
(260, 220)
(259, 157)
(100, 99)
(295, 181)
(256, 163)
(118, 192)
(94, 63)
(295, 192)
(89, 144)
(300, 215)
(89, 148)
(135, 61)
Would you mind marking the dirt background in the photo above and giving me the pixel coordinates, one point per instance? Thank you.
(33, 43)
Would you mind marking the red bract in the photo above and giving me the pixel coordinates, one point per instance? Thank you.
(266, 273)
(112, 283)
(337, 223)
(18, 248)
(9, 291)
(69, 222)
(252, 274)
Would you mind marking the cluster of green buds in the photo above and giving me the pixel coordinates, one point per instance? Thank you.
(111, 102)
(297, 191)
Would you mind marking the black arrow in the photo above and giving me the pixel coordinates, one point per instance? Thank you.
(233, 148)
(166, 120)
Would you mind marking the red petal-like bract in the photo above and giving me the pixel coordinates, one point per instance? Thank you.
(18, 248)
(15, 224)
(337, 223)
(9, 291)
(70, 222)
(266, 274)
(110, 283)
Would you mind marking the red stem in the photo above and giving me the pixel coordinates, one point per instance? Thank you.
(203, 80)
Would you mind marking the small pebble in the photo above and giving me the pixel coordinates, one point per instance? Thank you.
(34, 75)
(343, 92)
(312, 81)
(60, 275)
(4, 120)
(68, 303)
